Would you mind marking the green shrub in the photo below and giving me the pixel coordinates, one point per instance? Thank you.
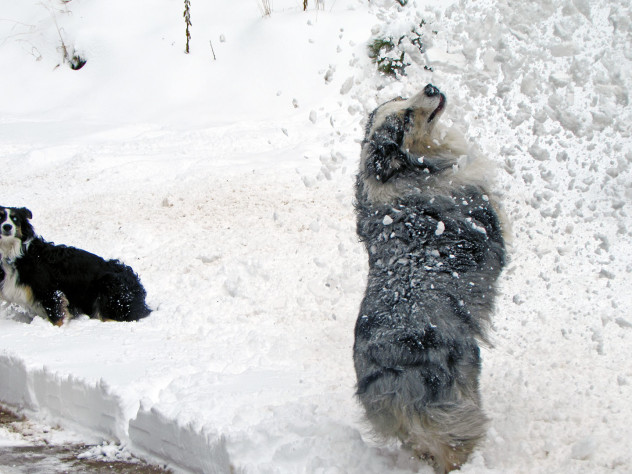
(389, 52)
(380, 51)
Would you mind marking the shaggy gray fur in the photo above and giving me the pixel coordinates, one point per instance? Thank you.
(435, 248)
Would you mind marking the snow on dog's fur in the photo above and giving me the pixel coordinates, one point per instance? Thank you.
(436, 248)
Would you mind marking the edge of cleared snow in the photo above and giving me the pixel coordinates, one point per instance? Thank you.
(88, 407)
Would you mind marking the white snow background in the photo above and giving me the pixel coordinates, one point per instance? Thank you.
(227, 182)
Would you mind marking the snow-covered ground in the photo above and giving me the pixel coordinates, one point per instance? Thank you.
(224, 178)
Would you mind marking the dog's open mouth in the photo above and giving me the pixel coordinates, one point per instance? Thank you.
(439, 108)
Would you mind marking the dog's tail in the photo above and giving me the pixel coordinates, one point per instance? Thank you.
(397, 405)
(448, 433)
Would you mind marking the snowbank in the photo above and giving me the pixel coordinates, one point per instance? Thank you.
(227, 185)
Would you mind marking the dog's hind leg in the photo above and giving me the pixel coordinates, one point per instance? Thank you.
(121, 298)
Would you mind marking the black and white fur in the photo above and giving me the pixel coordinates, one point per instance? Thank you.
(436, 248)
(58, 282)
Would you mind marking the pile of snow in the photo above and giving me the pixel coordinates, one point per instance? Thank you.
(224, 178)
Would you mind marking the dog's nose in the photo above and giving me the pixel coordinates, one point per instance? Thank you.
(431, 90)
(7, 227)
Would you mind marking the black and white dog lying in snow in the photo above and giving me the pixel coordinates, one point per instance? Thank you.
(435, 247)
(58, 282)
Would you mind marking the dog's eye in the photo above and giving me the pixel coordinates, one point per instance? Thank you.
(408, 116)
(14, 219)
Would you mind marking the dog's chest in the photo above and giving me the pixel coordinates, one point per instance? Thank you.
(14, 292)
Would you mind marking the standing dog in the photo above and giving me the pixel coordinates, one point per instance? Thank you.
(435, 248)
(58, 282)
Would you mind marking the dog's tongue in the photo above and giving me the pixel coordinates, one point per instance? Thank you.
(439, 108)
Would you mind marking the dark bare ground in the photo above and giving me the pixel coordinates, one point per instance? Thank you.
(40, 456)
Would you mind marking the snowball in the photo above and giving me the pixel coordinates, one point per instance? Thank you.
(440, 228)
(539, 153)
(346, 86)
(329, 75)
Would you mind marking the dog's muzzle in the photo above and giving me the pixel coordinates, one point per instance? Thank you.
(432, 91)
(7, 230)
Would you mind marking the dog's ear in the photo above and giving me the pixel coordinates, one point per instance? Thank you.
(383, 148)
(383, 161)
(25, 224)
(26, 213)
